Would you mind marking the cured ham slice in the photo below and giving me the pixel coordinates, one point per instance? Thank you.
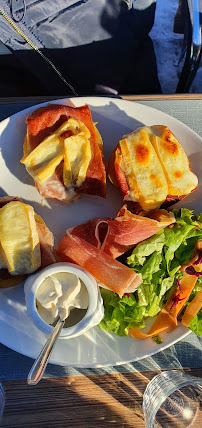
(93, 231)
(103, 267)
(94, 245)
(128, 229)
(41, 124)
(6, 199)
(46, 242)
(116, 236)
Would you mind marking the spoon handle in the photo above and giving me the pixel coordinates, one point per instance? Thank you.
(41, 362)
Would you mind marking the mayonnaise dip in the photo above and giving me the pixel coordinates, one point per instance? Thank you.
(58, 294)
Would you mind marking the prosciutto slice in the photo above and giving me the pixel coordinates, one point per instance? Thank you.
(116, 236)
(96, 244)
(44, 121)
(128, 229)
(103, 267)
(46, 243)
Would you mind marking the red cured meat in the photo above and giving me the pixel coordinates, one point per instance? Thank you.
(128, 229)
(6, 199)
(93, 231)
(117, 236)
(103, 267)
(94, 245)
(46, 245)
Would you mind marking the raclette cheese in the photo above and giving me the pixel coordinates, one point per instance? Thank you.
(175, 163)
(77, 155)
(69, 143)
(144, 172)
(150, 166)
(19, 240)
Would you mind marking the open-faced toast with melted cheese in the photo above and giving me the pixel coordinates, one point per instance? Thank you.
(26, 243)
(63, 152)
(151, 168)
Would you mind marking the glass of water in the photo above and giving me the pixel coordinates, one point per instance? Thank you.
(172, 400)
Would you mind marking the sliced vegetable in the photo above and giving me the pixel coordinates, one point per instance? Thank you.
(168, 315)
(192, 309)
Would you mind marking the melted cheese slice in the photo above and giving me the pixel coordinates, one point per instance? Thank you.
(145, 176)
(77, 154)
(20, 248)
(43, 160)
(181, 180)
(69, 143)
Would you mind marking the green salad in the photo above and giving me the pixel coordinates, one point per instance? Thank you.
(159, 259)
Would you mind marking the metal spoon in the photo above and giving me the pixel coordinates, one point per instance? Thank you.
(41, 362)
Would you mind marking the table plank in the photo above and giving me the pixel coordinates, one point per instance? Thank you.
(81, 401)
(154, 97)
(160, 97)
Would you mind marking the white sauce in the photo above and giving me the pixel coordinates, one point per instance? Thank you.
(58, 294)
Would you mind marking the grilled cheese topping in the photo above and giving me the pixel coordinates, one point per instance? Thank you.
(77, 156)
(19, 240)
(145, 177)
(70, 144)
(155, 165)
(181, 180)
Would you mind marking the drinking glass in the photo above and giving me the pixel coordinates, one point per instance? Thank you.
(172, 400)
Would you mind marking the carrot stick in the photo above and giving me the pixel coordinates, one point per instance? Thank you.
(192, 309)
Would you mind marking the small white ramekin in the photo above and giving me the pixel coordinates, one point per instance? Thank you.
(94, 313)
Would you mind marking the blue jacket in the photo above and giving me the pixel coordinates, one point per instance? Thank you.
(84, 44)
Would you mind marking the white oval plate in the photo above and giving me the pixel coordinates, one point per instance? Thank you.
(115, 118)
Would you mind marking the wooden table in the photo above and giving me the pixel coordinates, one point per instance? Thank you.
(81, 401)
(102, 400)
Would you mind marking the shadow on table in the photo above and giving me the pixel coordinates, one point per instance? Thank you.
(94, 399)
(184, 354)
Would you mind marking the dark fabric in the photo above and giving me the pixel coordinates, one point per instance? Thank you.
(16, 80)
(180, 17)
(94, 44)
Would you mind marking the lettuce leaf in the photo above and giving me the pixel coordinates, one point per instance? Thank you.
(146, 248)
(196, 324)
(121, 314)
(158, 259)
(177, 238)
